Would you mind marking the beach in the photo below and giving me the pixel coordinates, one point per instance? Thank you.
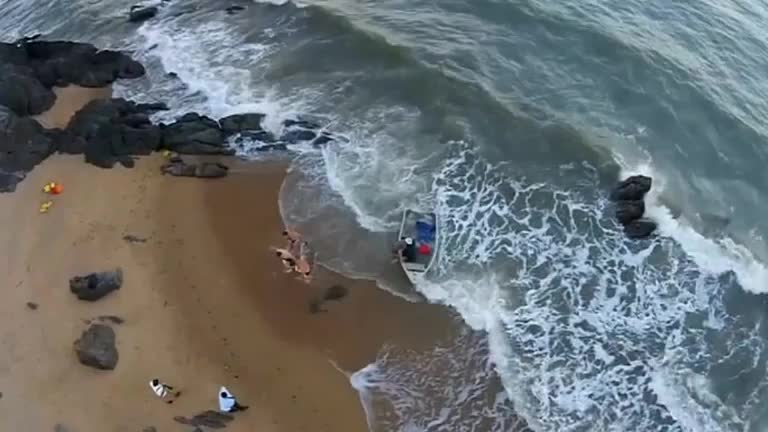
(205, 303)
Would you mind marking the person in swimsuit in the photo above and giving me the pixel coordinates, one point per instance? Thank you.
(288, 259)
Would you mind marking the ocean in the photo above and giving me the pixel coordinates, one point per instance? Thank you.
(512, 119)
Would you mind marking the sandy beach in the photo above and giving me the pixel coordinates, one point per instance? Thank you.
(205, 304)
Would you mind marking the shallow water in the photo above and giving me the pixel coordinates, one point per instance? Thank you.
(512, 119)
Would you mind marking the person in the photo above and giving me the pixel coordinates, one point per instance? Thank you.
(162, 390)
(228, 403)
(292, 239)
(303, 265)
(405, 248)
(289, 261)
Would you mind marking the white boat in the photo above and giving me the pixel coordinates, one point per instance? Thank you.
(422, 228)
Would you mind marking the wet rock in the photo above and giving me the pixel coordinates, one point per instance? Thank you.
(241, 122)
(94, 286)
(305, 124)
(234, 9)
(297, 135)
(211, 419)
(152, 106)
(324, 138)
(179, 168)
(140, 14)
(640, 229)
(31, 306)
(262, 135)
(632, 188)
(22, 92)
(96, 347)
(627, 211)
(195, 134)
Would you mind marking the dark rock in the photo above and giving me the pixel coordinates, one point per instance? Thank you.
(195, 134)
(297, 135)
(153, 106)
(211, 419)
(139, 14)
(241, 122)
(234, 9)
(262, 135)
(640, 229)
(130, 238)
(65, 141)
(627, 211)
(324, 138)
(306, 124)
(179, 168)
(22, 144)
(22, 92)
(172, 75)
(8, 181)
(94, 286)
(96, 347)
(32, 305)
(632, 188)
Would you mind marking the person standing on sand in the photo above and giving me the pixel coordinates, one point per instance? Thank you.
(228, 403)
(162, 390)
(303, 265)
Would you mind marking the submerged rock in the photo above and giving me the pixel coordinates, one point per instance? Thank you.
(94, 286)
(96, 347)
(632, 188)
(195, 134)
(627, 211)
(640, 229)
(237, 123)
(140, 14)
(234, 9)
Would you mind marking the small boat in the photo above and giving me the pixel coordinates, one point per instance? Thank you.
(421, 228)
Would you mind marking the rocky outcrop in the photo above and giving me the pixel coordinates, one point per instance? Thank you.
(23, 144)
(195, 134)
(96, 347)
(140, 14)
(94, 286)
(630, 207)
(238, 123)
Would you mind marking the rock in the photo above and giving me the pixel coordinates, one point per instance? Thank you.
(195, 134)
(32, 306)
(130, 238)
(22, 92)
(632, 188)
(211, 419)
(8, 181)
(153, 106)
(64, 141)
(241, 122)
(94, 286)
(140, 14)
(96, 347)
(640, 229)
(306, 124)
(23, 144)
(298, 135)
(627, 211)
(324, 138)
(179, 168)
(234, 9)
(262, 135)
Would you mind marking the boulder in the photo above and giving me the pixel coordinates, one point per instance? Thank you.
(96, 347)
(195, 134)
(262, 135)
(297, 135)
(241, 122)
(179, 168)
(640, 229)
(8, 181)
(22, 92)
(94, 286)
(23, 143)
(632, 188)
(627, 211)
(140, 14)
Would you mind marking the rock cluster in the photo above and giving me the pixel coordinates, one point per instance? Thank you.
(629, 197)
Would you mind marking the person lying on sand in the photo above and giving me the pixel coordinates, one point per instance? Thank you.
(292, 239)
(303, 265)
(162, 390)
(288, 259)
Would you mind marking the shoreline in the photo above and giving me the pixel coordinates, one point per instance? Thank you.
(205, 304)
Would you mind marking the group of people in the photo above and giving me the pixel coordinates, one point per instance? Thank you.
(227, 401)
(295, 255)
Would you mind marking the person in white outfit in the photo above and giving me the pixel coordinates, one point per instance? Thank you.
(228, 403)
(163, 391)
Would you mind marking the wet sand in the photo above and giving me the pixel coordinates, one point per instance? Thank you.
(205, 304)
